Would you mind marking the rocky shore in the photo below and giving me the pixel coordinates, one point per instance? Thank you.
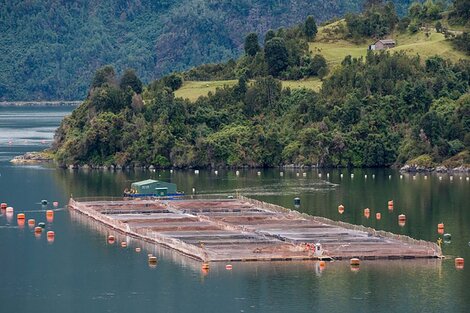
(413, 168)
(32, 158)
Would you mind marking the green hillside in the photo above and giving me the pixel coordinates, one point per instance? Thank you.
(335, 48)
(50, 49)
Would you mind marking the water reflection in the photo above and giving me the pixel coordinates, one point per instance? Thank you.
(80, 271)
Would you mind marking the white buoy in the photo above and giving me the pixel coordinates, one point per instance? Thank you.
(460, 177)
(304, 174)
(281, 173)
(425, 177)
(440, 177)
(352, 175)
(341, 175)
(298, 174)
(328, 175)
(216, 172)
(373, 176)
(259, 173)
(365, 176)
(389, 176)
(194, 190)
(319, 175)
(414, 177)
(467, 179)
(451, 178)
(237, 173)
(171, 171)
(196, 171)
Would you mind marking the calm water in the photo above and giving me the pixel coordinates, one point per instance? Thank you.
(79, 272)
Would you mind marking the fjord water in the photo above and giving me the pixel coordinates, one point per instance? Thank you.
(80, 272)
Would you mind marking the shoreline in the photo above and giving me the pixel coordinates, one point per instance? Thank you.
(40, 103)
(39, 157)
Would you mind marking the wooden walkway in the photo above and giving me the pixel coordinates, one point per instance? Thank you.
(247, 230)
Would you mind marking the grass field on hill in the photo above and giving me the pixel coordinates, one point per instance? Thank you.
(330, 44)
(194, 89)
(335, 49)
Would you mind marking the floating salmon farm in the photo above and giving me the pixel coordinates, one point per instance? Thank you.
(244, 229)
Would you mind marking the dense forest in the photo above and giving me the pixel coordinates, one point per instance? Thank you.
(381, 110)
(51, 48)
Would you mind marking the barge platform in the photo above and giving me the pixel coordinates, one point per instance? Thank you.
(244, 229)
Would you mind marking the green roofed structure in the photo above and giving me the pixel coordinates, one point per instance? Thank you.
(151, 187)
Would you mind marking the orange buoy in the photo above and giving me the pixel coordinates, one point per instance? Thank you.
(50, 216)
(20, 216)
(55, 204)
(20, 223)
(38, 230)
(124, 244)
(322, 264)
(341, 209)
(205, 266)
(367, 212)
(401, 220)
(31, 222)
(228, 267)
(50, 236)
(459, 262)
(137, 249)
(152, 260)
(9, 209)
(3, 205)
(111, 239)
(354, 264)
(378, 216)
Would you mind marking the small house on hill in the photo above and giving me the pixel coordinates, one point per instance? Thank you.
(383, 44)
(153, 187)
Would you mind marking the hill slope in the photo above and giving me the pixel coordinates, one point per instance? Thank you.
(51, 48)
(336, 49)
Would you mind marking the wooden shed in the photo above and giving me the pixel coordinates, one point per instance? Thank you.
(383, 44)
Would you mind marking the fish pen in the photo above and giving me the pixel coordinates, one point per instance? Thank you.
(244, 229)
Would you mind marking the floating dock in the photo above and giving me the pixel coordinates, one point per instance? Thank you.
(245, 229)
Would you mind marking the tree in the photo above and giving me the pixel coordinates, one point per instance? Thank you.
(415, 10)
(310, 28)
(276, 55)
(105, 74)
(318, 65)
(130, 79)
(270, 34)
(462, 9)
(251, 44)
(173, 81)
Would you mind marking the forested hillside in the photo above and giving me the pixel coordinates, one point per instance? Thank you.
(50, 49)
(376, 110)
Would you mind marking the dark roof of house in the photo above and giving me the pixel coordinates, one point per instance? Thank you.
(386, 41)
